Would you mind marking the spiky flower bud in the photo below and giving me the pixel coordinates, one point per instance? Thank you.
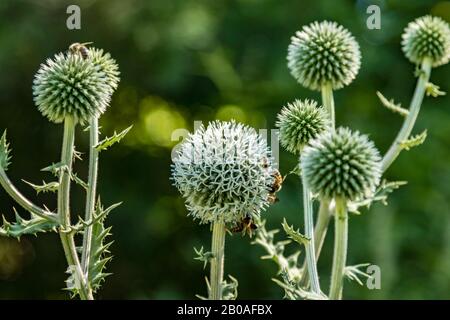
(427, 36)
(69, 85)
(300, 122)
(324, 53)
(342, 164)
(107, 65)
(224, 172)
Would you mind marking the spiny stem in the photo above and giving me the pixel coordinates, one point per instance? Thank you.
(67, 239)
(340, 249)
(91, 193)
(22, 200)
(217, 260)
(309, 233)
(411, 118)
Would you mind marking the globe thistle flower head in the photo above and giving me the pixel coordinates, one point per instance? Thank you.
(69, 85)
(342, 164)
(107, 65)
(300, 122)
(224, 172)
(324, 53)
(427, 36)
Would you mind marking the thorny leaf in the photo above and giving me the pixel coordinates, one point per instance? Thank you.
(23, 227)
(99, 254)
(77, 155)
(203, 256)
(5, 157)
(73, 282)
(230, 289)
(275, 251)
(380, 195)
(354, 273)
(391, 105)
(414, 141)
(294, 234)
(293, 290)
(44, 187)
(109, 141)
(208, 290)
(433, 90)
(82, 183)
(55, 168)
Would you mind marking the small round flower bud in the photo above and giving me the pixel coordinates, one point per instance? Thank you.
(69, 85)
(427, 36)
(224, 172)
(300, 122)
(324, 53)
(342, 164)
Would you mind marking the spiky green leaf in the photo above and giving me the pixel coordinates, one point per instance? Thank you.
(55, 168)
(294, 291)
(22, 226)
(391, 105)
(109, 141)
(230, 289)
(99, 255)
(433, 90)
(79, 181)
(414, 141)
(294, 234)
(205, 257)
(354, 273)
(381, 195)
(44, 187)
(5, 151)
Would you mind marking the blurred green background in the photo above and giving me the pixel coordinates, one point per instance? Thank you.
(186, 60)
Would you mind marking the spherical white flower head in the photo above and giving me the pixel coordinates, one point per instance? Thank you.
(300, 122)
(427, 36)
(324, 53)
(69, 85)
(224, 172)
(342, 164)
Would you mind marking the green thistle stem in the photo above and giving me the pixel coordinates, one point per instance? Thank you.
(324, 215)
(217, 260)
(340, 250)
(22, 200)
(309, 233)
(320, 231)
(328, 102)
(411, 118)
(66, 236)
(323, 220)
(91, 193)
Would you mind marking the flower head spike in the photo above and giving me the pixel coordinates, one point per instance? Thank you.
(224, 172)
(427, 36)
(342, 164)
(69, 85)
(299, 123)
(324, 53)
